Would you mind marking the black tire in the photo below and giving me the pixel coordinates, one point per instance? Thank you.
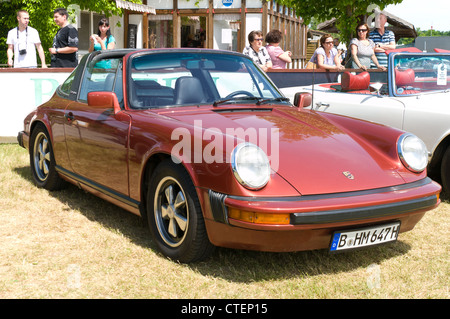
(42, 160)
(174, 215)
(445, 173)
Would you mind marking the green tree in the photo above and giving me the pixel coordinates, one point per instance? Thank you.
(41, 17)
(347, 12)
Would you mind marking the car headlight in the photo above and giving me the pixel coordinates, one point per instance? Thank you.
(250, 166)
(413, 152)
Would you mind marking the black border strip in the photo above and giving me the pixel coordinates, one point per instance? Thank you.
(360, 213)
(105, 190)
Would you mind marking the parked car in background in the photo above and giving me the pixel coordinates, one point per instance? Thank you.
(203, 146)
(414, 96)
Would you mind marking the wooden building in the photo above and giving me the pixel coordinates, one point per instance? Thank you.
(215, 24)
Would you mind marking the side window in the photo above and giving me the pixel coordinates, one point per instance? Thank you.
(99, 77)
(65, 87)
(118, 86)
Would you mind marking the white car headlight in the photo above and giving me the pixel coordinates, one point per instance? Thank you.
(413, 152)
(250, 165)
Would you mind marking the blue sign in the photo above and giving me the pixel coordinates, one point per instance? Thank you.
(227, 3)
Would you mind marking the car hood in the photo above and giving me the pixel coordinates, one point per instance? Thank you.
(305, 149)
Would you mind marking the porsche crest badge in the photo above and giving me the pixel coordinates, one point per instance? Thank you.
(348, 175)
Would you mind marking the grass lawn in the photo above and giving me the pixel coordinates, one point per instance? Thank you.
(70, 244)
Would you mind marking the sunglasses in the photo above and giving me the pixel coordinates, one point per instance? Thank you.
(362, 30)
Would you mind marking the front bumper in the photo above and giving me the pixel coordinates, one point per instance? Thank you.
(313, 219)
(23, 139)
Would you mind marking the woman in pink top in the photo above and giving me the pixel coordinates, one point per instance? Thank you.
(278, 56)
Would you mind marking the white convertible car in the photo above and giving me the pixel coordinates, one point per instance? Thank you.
(414, 95)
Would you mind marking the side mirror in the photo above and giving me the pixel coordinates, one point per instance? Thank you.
(375, 87)
(302, 99)
(104, 100)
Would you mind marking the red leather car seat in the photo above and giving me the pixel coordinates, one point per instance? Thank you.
(441, 50)
(354, 82)
(404, 77)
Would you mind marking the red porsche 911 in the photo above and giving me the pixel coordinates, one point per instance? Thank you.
(203, 145)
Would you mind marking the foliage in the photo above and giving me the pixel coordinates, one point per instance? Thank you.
(41, 17)
(347, 12)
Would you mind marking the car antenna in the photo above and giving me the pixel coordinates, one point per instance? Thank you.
(313, 82)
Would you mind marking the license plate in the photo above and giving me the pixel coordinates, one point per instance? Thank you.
(369, 236)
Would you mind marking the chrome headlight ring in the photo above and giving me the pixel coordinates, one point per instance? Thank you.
(250, 165)
(412, 152)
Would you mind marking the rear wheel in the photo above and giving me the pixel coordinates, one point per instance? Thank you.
(445, 172)
(174, 215)
(42, 160)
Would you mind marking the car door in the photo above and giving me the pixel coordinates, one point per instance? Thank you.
(428, 117)
(97, 138)
(371, 107)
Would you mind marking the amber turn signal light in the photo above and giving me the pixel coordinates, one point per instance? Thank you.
(259, 218)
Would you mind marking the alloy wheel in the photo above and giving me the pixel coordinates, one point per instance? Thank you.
(42, 156)
(171, 212)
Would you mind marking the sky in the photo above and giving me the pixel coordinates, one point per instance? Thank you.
(423, 14)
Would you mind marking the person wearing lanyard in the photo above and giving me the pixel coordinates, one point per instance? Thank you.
(23, 41)
(257, 51)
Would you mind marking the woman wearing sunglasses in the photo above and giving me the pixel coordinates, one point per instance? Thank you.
(257, 51)
(326, 56)
(362, 49)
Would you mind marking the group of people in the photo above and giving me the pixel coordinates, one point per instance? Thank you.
(367, 50)
(23, 41)
(271, 56)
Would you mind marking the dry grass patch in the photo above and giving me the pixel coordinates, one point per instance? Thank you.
(70, 244)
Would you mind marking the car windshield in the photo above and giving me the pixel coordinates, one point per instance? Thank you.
(419, 73)
(193, 78)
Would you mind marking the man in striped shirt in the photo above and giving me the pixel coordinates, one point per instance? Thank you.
(384, 40)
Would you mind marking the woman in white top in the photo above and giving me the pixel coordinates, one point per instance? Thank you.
(362, 49)
(326, 56)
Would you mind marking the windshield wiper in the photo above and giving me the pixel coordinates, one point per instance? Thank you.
(276, 99)
(216, 103)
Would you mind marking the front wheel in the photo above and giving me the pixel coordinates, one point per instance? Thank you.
(174, 215)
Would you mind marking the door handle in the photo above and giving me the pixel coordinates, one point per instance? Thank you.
(69, 116)
(319, 104)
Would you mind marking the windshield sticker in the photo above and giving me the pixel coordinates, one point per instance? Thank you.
(442, 74)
